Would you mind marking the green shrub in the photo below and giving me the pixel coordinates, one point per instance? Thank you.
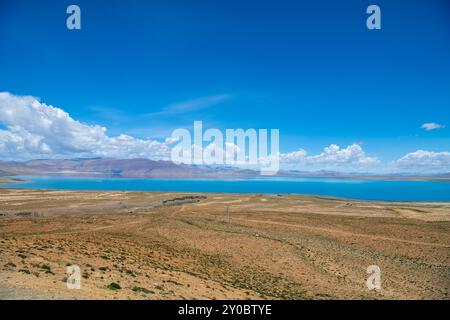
(114, 286)
(26, 271)
(139, 289)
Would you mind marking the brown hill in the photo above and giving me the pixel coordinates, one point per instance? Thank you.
(123, 168)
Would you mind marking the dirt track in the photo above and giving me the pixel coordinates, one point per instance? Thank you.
(176, 246)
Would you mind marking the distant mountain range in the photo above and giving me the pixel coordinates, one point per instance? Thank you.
(145, 168)
(121, 168)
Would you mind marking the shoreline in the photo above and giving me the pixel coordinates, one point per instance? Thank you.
(237, 177)
(314, 187)
(278, 195)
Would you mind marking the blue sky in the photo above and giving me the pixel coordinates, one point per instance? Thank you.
(311, 69)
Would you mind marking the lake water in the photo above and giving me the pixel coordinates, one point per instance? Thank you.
(346, 188)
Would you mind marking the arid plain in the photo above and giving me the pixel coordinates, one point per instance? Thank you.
(149, 245)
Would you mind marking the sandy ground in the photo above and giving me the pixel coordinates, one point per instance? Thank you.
(186, 246)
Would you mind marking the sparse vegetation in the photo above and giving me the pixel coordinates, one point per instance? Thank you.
(114, 286)
(174, 282)
(46, 268)
(305, 247)
(140, 289)
(26, 271)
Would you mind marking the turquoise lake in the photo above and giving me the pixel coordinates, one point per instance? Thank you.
(346, 188)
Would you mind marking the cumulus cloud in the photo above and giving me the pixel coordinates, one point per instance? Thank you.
(435, 161)
(294, 157)
(432, 126)
(31, 129)
(34, 129)
(353, 154)
(332, 156)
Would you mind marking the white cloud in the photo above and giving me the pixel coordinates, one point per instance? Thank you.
(432, 126)
(436, 161)
(332, 156)
(34, 129)
(31, 129)
(294, 157)
(353, 154)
